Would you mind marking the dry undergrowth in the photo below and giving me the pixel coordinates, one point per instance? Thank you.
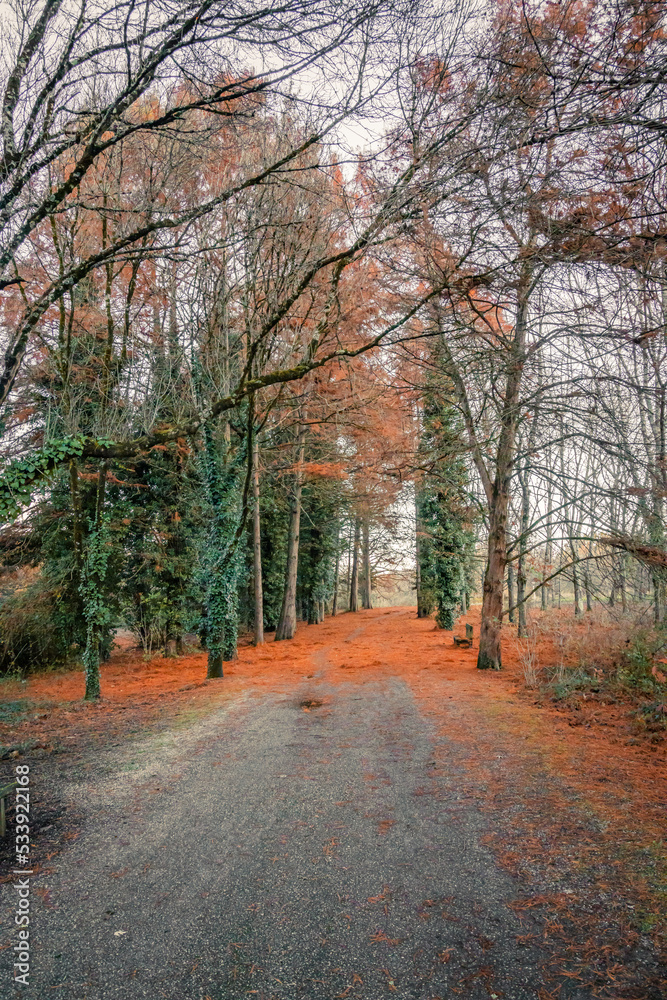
(607, 662)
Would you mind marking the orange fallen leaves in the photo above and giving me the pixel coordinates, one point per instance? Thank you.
(382, 936)
(391, 985)
(346, 992)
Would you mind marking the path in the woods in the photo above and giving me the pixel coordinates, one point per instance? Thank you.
(282, 849)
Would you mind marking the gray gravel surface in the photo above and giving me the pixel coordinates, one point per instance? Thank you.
(271, 852)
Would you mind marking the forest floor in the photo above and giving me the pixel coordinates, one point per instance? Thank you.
(356, 813)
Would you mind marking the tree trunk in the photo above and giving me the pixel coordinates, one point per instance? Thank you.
(92, 592)
(77, 532)
(366, 588)
(313, 609)
(523, 538)
(521, 595)
(354, 580)
(510, 591)
(215, 666)
(576, 586)
(418, 570)
(622, 584)
(222, 592)
(587, 580)
(287, 623)
(489, 655)
(570, 528)
(548, 548)
(348, 580)
(657, 604)
(257, 546)
(334, 606)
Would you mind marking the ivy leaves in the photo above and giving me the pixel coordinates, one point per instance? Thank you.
(95, 605)
(19, 478)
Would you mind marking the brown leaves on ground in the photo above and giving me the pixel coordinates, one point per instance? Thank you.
(381, 936)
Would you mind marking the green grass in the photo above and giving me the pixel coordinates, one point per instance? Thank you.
(15, 711)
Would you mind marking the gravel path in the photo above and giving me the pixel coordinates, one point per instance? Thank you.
(279, 850)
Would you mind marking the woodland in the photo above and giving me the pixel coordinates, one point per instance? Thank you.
(299, 301)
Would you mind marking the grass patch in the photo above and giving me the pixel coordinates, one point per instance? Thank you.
(16, 711)
(567, 682)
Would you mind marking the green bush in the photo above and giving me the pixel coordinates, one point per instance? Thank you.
(654, 715)
(636, 667)
(565, 683)
(35, 631)
(147, 616)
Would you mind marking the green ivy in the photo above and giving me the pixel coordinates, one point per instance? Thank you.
(442, 508)
(317, 546)
(223, 563)
(275, 520)
(19, 478)
(96, 611)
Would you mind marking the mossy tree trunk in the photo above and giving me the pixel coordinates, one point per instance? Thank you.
(418, 570)
(257, 548)
(222, 607)
(92, 588)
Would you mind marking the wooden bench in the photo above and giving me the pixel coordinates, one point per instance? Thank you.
(5, 792)
(464, 642)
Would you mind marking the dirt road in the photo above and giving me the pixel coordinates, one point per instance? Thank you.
(319, 840)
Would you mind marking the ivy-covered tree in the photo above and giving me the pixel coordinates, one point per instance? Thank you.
(443, 527)
(161, 500)
(317, 552)
(223, 476)
(274, 519)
